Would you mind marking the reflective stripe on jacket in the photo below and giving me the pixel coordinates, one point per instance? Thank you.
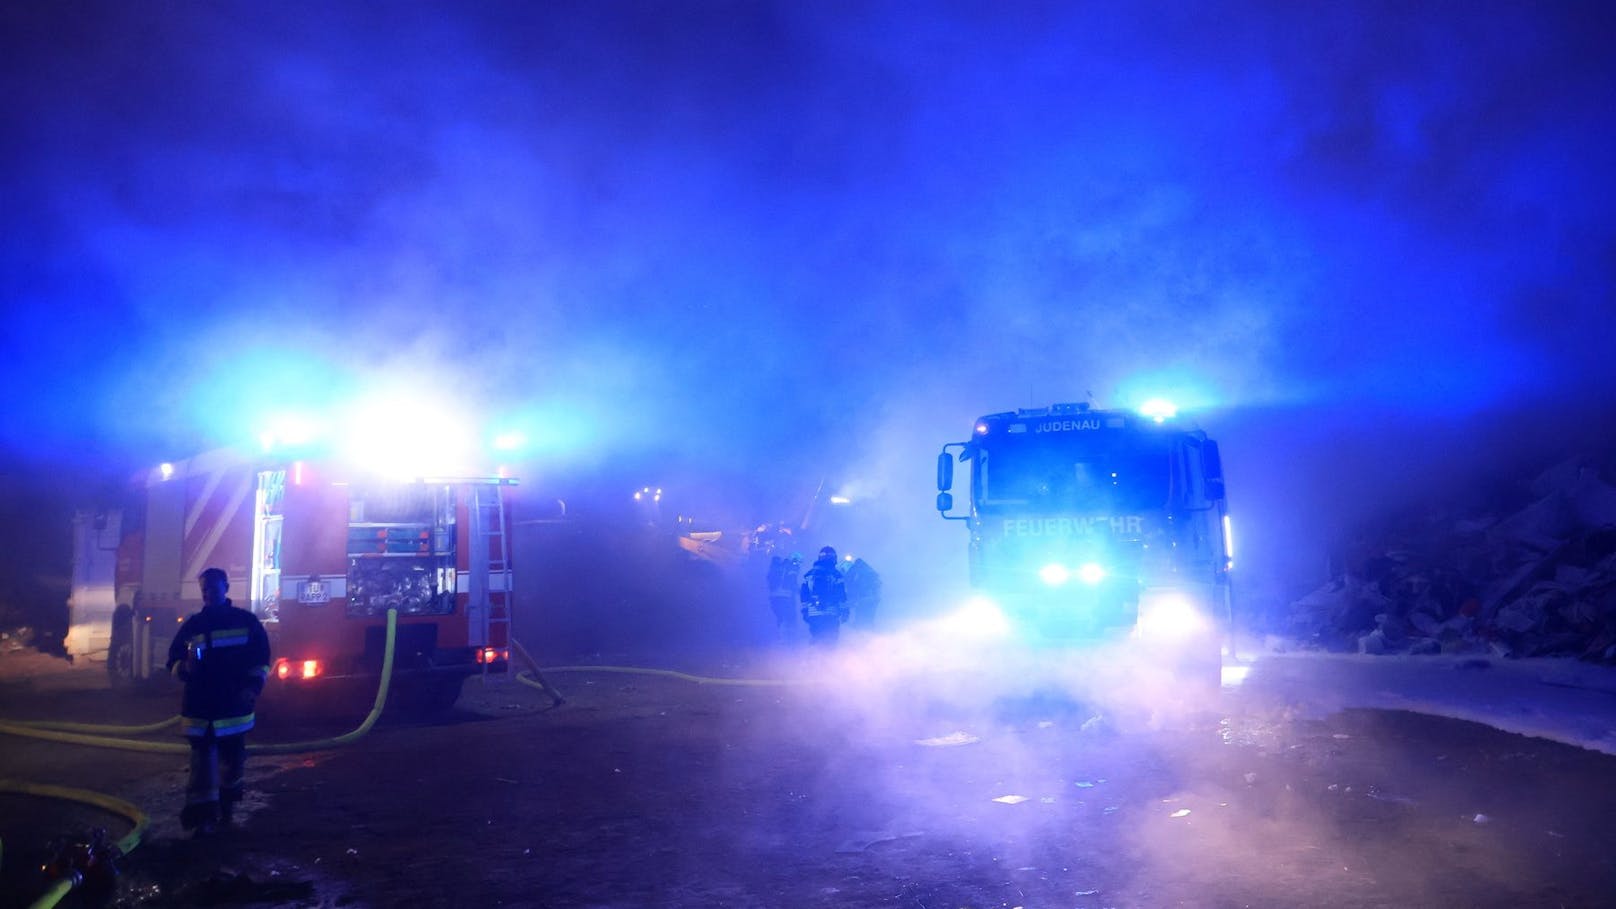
(222, 653)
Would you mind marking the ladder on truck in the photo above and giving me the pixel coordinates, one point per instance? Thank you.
(491, 568)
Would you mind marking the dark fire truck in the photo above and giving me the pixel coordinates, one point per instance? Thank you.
(1087, 522)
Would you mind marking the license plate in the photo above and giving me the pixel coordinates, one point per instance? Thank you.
(313, 592)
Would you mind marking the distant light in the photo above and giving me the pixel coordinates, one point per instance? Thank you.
(166, 469)
(981, 429)
(1091, 573)
(297, 473)
(1234, 676)
(840, 500)
(509, 441)
(1159, 409)
(1054, 575)
(1228, 543)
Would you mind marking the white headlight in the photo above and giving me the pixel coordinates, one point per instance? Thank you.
(1169, 615)
(1054, 575)
(1091, 573)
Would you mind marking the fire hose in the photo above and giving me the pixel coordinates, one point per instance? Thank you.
(534, 678)
(95, 861)
(87, 734)
(106, 736)
(84, 734)
(697, 679)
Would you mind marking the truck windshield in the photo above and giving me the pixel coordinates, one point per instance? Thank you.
(1074, 473)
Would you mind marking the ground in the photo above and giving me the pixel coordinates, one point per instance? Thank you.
(884, 789)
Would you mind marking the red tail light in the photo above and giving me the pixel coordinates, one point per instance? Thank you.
(492, 654)
(302, 669)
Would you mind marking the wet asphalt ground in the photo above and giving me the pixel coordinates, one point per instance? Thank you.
(653, 791)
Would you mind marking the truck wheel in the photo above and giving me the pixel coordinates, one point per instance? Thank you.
(121, 664)
(121, 651)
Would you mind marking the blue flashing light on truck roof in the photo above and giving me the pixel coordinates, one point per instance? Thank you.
(1159, 409)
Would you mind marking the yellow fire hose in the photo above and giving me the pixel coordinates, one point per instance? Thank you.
(533, 678)
(84, 734)
(99, 729)
(698, 679)
(72, 733)
(89, 734)
(106, 802)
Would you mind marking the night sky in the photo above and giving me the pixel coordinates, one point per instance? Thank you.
(800, 237)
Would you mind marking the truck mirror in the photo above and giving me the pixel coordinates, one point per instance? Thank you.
(945, 472)
(1213, 463)
(945, 502)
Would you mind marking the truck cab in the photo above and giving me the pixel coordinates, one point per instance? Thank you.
(1087, 523)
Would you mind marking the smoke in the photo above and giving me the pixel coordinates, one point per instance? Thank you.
(791, 244)
(1271, 199)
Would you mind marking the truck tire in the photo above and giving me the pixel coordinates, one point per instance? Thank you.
(121, 650)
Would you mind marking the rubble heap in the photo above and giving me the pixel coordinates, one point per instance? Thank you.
(1528, 574)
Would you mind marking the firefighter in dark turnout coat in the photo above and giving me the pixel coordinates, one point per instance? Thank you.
(824, 599)
(222, 656)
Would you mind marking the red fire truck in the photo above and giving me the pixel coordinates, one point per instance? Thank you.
(321, 554)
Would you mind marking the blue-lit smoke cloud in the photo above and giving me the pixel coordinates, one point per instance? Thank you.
(732, 230)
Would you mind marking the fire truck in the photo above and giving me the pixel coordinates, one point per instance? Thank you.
(1087, 522)
(321, 554)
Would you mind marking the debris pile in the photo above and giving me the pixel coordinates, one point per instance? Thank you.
(1532, 572)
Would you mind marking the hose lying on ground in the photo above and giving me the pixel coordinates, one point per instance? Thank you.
(698, 679)
(106, 802)
(67, 732)
(533, 678)
(74, 733)
(98, 729)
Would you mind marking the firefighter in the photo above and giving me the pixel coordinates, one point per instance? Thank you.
(863, 592)
(222, 656)
(783, 575)
(824, 599)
